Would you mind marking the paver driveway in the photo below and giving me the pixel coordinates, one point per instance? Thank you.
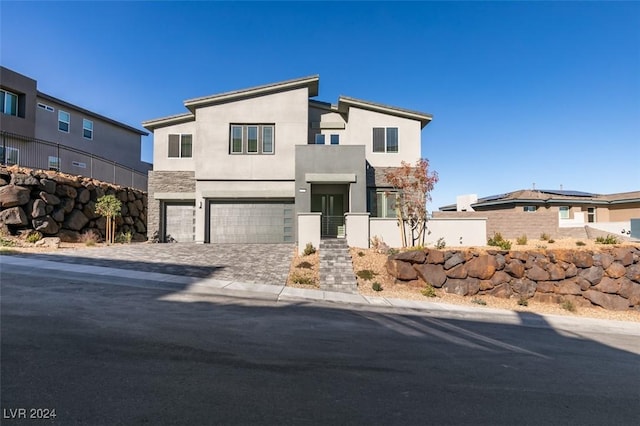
(250, 263)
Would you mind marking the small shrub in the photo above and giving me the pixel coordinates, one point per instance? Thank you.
(309, 249)
(551, 241)
(544, 236)
(580, 243)
(478, 301)
(428, 291)
(302, 279)
(441, 243)
(419, 247)
(366, 274)
(568, 306)
(609, 239)
(6, 243)
(523, 302)
(89, 238)
(361, 254)
(499, 241)
(521, 240)
(541, 246)
(124, 238)
(376, 286)
(304, 265)
(34, 237)
(380, 246)
(392, 251)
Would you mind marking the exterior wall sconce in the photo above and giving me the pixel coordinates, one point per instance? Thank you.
(200, 205)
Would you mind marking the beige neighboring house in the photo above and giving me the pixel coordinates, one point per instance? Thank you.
(557, 213)
(244, 166)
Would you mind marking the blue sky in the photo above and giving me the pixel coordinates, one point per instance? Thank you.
(521, 92)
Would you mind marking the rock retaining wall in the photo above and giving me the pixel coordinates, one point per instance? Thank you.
(609, 278)
(62, 205)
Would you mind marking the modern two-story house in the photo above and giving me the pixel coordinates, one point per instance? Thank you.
(41, 131)
(241, 166)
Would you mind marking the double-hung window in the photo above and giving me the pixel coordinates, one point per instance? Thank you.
(8, 103)
(180, 146)
(252, 139)
(564, 212)
(9, 157)
(87, 128)
(64, 119)
(385, 139)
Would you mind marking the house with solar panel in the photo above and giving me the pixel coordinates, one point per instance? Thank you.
(558, 213)
(255, 165)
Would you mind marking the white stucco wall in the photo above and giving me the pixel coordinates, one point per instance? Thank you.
(161, 160)
(288, 111)
(455, 231)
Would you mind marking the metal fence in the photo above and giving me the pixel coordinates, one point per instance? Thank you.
(45, 155)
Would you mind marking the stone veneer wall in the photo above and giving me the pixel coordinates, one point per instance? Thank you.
(62, 205)
(609, 278)
(164, 181)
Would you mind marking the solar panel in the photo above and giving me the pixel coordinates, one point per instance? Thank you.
(567, 193)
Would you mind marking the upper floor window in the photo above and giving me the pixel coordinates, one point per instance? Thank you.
(319, 139)
(335, 139)
(63, 121)
(385, 139)
(529, 209)
(252, 139)
(45, 107)
(87, 128)
(9, 103)
(180, 146)
(564, 212)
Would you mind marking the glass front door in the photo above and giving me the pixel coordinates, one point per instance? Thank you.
(332, 208)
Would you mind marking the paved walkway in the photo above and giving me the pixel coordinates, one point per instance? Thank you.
(250, 263)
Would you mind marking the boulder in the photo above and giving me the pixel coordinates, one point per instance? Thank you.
(454, 260)
(84, 195)
(458, 272)
(38, 209)
(523, 287)
(67, 204)
(89, 210)
(23, 179)
(500, 277)
(608, 285)
(536, 273)
(14, 216)
(69, 236)
(556, 272)
(515, 268)
(401, 270)
(411, 256)
(76, 220)
(48, 198)
(569, 286)
(58, 215)
(546, 287)
(583, 259)
(607, 301)
(571, 270)
(615, 270)
(52, 242)
(502, 290)
(12, 195)
(630, 290)
(467, 287)
(432, 274)
(66, 191)
(633, 273)
(482, 267)
(623, 255)
(47, 225)
(435, 257)
(48, 185)
(602, 259)
(592, 274)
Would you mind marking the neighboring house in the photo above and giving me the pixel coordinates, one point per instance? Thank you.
(241, 166)
(554, 212)
(41, 131)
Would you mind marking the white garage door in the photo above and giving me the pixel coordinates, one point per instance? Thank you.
(180, 222)
(251, 222)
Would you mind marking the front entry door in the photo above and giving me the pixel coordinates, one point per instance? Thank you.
(332, 208)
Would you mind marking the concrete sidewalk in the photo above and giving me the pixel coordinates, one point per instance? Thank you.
(193, 289)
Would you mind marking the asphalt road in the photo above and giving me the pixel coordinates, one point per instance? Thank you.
(103, 354)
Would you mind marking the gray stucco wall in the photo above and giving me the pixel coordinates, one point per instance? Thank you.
(331, 159)
(25, 88)
(165, 182)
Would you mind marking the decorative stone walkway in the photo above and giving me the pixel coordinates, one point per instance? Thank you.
(248, 263)
(336, 269)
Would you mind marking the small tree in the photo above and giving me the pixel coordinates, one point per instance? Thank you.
(109, 206)
(414, 185)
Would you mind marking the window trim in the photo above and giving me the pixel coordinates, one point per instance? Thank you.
(260, 141)
(4, 102)
(562, 209)
(180, 142)
(385, 134)
(84, 128)
(68, 123)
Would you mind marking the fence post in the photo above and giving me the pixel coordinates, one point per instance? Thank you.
(4, 148)
(91, 165)
(114, 172)
(58, 157)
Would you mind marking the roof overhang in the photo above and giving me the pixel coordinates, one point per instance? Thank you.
(345, 102)
(311, 82)
(151, 125)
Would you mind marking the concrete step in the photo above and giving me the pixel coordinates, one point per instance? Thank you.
(336, 269)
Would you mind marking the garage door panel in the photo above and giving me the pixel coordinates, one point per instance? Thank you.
(251, 222)
(180, 222)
